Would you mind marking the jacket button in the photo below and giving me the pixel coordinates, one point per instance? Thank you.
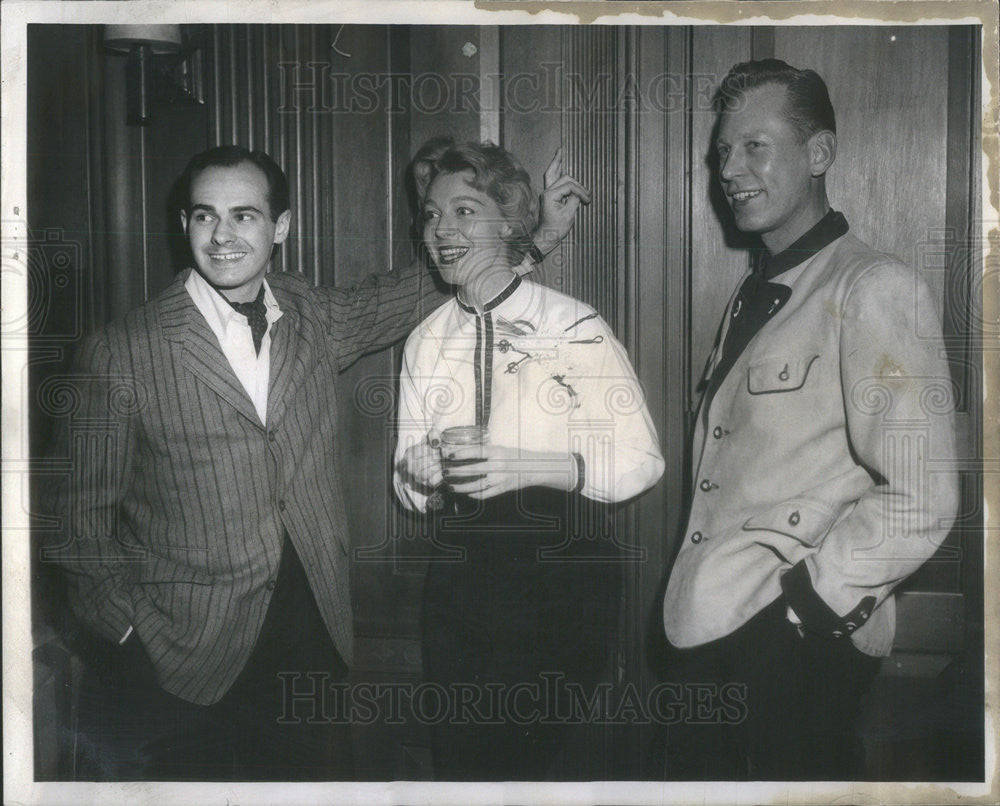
(270, 436)
(706, 485)
(717, 432)
(696, 537)
(793, 519)
(281, 504)
(270, 585)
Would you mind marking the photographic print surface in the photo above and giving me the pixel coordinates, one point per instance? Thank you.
(234, 559)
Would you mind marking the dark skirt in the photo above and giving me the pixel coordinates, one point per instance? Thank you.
(520, 610)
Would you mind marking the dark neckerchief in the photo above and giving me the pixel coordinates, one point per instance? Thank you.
(759, 299)
(256, 314)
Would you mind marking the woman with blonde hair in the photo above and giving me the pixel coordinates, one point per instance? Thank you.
(521, 604)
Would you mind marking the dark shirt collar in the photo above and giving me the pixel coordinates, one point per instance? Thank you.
(489, 306)
(824, 232)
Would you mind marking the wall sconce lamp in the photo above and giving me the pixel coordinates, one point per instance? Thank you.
(162, 68)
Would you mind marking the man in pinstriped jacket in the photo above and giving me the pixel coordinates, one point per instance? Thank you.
(205, 535)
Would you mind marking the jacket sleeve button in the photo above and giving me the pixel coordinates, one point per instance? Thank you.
(270, 584)
(696, 537)
(717, 432)
(705, 485)
(794, 518)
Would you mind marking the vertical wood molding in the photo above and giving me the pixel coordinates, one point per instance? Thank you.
(214, 76)
(490, 84)
(663, 167)
(961, 310)
(399, 247)
(962, 319)
(267, 86)
(94, 301)
(591, 121)
(762, 42)
(123, 212)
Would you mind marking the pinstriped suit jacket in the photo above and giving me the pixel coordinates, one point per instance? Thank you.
(178, 497)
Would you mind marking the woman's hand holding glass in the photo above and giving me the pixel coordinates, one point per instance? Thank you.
(420, 466)
(486, 471)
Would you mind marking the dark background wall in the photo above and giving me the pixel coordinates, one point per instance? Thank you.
(343, 108)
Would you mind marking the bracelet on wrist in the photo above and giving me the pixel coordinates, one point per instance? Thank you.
(534, 253)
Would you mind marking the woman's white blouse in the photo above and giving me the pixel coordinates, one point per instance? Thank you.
(544, 373)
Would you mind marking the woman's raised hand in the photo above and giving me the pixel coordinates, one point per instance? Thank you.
(560, 201)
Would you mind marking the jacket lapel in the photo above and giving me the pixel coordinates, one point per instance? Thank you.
(293, 349)
(202, 356)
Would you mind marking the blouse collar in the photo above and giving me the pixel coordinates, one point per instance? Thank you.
(512, 286)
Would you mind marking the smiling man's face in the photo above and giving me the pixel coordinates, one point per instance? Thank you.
(230, 229)
(765, 169)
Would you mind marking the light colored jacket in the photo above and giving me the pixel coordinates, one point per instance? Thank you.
(828, 447)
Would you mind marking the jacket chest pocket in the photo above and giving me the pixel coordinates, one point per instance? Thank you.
(784, 374)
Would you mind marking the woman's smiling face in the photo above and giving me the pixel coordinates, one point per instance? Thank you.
(464, 230)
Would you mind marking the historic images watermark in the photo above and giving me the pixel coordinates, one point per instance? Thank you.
(314, 87)
(550, 699)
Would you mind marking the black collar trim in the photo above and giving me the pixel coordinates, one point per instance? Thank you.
(493, 303)
(824, 232)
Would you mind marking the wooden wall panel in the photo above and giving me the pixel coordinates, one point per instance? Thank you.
(718, 250)
(533, 121)
(655, 235)
(123, 149)
(891, 101)
(175, 136)
(65, 282)
(444, 82)
(573, 99)
(593, 122)
(362, 227)
(277, 89)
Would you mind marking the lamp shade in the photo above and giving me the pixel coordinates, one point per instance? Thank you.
(158, 38)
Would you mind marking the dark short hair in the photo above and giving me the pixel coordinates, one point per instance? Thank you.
(495, 172)
(278, 198)
(807, 106)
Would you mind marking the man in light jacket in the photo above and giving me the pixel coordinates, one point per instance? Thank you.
(823, 456)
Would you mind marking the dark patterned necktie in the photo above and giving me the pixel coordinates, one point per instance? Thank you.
(255, 313)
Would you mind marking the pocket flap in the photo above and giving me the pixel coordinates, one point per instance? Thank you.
(806, 521)
(779, 374)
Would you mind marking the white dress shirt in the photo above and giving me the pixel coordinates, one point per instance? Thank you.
(235, 339)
